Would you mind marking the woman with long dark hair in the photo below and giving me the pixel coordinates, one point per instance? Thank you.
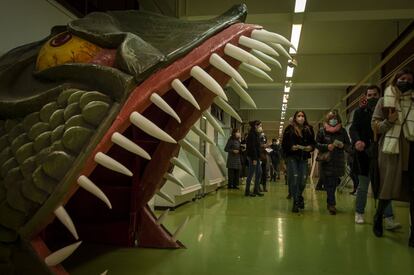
(393, 117)
(253, 157)
(298, 141)
(233, 159)
(334, 139)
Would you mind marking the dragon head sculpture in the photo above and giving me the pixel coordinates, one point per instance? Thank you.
(93, 116)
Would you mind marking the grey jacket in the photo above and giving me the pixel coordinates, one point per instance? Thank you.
(233, 159)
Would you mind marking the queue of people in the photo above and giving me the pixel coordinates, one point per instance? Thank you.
(380, 143)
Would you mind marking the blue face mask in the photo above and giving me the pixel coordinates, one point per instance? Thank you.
(333, 122)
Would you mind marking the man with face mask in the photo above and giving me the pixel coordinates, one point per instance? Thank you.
(362, 136)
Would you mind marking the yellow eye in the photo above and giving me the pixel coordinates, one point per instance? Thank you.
(65, 48)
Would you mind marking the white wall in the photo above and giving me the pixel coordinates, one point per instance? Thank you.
(26, 21)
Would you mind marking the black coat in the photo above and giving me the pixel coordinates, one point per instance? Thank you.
(361, 130)
(290, 138)
(253, 145)
(275, 155)
(233, 159)
(335, 167)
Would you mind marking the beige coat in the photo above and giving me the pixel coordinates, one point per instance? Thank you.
(394, 183)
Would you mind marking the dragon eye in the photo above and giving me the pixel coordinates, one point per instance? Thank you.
(60, 39)
(65, 48)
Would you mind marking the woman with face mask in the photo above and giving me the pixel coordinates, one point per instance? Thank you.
(393, 118)
(298, 141)
(334, 139)
(253, 158)
(233, 159)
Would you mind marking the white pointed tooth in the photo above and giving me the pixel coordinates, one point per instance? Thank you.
(243, 56)
(187, 146)
(281, 50)
(165, 196)
(59, 256)
(111, 164)
(266, 58)
(267, 36)
(174, 179)
(203, 135)
(65, 219)
(257, 45)
(255, 71)
(213, 122)
(163, 105)
(180, 229)
(162, 217)
(91, 187)
(182, 91)
(242, 93)
(208, 81)
(129, 145)
(227, 108)
(177, 162)
(221, 64)
(149, 127)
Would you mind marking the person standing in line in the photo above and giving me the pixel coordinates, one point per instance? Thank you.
(243, 157)
(393, 117)
(362, 138)
(263, 160)
(298, 141)
(253, 158)
(275, 157)
(334, 139)
(233, 159)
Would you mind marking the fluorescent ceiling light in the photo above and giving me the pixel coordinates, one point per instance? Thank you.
(287, 89)
(296, 29)
(285, 98)
(300, 6)
(289, 72)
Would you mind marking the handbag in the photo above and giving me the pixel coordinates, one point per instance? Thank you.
(323, 157)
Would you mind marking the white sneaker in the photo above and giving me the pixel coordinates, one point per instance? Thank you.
(359, 218)
(390, 224)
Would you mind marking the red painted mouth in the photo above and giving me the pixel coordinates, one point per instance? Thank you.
(130, 222)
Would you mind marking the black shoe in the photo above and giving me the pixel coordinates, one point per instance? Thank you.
(378, 226)
(301, 203)
(258, 194)
(236, 187)
(332, 209)
(295, 208)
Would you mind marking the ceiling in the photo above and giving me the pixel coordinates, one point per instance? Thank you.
(341, 42)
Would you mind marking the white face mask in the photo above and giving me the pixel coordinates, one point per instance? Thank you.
(300, 120)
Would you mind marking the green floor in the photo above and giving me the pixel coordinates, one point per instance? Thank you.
(231, 234)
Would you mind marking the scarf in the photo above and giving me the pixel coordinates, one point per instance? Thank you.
(404, 107)
(332, 129)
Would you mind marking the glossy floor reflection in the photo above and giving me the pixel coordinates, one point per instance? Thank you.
(231, 234)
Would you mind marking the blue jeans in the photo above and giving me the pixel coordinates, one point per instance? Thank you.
(330, 186)
(253, 170)
(361, 197)
(297, 174)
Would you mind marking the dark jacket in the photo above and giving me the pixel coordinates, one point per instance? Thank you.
(290, 138)
(253, 145)
(361, 130)
(275, 155)
(233, 159)
(335, 167)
